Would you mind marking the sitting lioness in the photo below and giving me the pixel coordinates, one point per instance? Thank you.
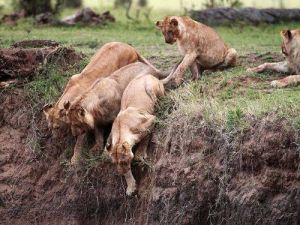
(291, 49)
(109, 58)
(200, 45)
(100, 105)
(133, 123)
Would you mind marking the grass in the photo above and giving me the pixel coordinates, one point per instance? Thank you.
(227, 104)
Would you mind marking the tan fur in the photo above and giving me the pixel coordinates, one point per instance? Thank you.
(291, 49)
(201, 46)
(108, 59)
(101, 103)
(133, 123)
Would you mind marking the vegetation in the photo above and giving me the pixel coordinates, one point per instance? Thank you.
(227, 97)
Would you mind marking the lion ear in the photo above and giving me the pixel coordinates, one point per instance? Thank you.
(287, 34)
(81, 112)
(62, 112)
(174, 22)
(46, 108)
(67, 105)
(158, 24)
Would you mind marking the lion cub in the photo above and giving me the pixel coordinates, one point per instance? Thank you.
(200, 45)
(99, 105)
(109, 58)
(133, 123)
(291, 49)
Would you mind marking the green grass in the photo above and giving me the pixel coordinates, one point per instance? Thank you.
(227, 104)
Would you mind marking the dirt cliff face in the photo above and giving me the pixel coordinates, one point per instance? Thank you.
(195, 174)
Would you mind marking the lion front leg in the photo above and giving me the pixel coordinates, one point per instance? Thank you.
(186, 63)
(290, 80)
(141, 151)
(99, 145)
(75, 160)
(131, 183)
(281, 67)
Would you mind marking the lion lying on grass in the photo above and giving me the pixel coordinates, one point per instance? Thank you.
(109, 58)
(133, 124)
(100, 105)
(291, 49)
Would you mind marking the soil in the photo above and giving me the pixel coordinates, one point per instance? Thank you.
(26, 58)
(195, 174)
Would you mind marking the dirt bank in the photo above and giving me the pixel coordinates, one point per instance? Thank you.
(195, 174)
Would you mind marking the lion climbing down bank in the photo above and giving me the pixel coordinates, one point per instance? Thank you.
(133, 124)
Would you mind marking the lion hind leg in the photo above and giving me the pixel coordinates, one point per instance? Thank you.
(287, 81)
(231, 57)
(195, 70)
(75, 160)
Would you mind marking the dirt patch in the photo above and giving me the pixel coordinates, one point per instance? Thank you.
(255, 59)
(243, 81)
(24, 59)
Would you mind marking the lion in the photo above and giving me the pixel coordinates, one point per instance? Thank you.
(291, 49)
(133, 124)
(99, 105)
(200, 45)
(109, 58)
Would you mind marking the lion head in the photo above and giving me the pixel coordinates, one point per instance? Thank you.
(290, 42)
(56, 118)
(121, 154)
(170, 29)
(79, 118)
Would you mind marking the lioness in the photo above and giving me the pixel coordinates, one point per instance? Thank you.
(291, 49)
(201, 46)
(133, 123)
(108, 59)
(100, 105)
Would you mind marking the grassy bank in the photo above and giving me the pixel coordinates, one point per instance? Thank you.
(227, 97)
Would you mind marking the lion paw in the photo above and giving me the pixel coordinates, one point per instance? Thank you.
(277, 84)
(75, 160)
(257, 69)
(131, 189)
(249, 70)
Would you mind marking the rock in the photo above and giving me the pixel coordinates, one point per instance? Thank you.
(11, 19)
(87, 16)
(217, 16)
